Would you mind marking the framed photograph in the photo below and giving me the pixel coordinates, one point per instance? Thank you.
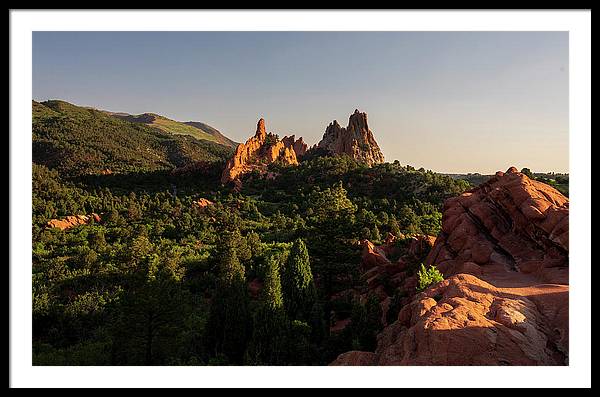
(300, 198)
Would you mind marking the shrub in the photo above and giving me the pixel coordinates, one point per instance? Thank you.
(427, 277)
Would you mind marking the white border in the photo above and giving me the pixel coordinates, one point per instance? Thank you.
(22, 374)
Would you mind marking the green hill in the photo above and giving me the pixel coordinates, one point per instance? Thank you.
(220, 138)
(75, 140)
(193, 128)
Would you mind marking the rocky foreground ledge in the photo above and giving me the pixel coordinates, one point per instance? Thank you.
(503, 251)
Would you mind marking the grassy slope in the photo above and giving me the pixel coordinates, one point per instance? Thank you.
(222, 139)
(196, 129)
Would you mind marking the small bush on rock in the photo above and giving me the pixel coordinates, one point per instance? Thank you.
(427, 277)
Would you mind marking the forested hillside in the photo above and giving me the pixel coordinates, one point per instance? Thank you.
(77, 141)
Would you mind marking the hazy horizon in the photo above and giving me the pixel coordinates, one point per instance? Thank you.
(452, 102)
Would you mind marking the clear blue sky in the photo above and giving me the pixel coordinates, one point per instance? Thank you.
(446, 101)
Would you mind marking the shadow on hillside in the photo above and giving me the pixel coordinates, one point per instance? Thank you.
(153, 181)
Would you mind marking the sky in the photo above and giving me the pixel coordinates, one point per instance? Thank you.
(453, 102)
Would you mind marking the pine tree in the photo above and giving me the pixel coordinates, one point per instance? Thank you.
(98, 240)
(150, 318)
(394, 226)
(269, 337)
(299, 291)
(227, 328)
(272, 297)
(375, 234)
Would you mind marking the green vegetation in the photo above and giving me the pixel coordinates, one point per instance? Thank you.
(428, 277)
(160, 282)
(216, 134)
(557, 180)
(80, 141)
(195, 129)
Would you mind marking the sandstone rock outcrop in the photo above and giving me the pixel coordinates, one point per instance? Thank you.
(503, 251)
(356, 358)
(299, 146)
(356, 140)
(259, 151)
(201, 204)
(72, 221)
(466, 321)
(510, 220)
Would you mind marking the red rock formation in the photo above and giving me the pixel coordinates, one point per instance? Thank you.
(510, 220)
(356, 140)
(72, 221)
(259, 151)
(504, 252)
(201, 204)
(420, 244)
(380, 273)
(466, 321)
(373, 256)
(299, 147)
(355, 358)
(339, 326)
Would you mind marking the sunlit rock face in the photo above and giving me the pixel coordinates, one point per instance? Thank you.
(261, 150)
(356, 140)
(72, 221)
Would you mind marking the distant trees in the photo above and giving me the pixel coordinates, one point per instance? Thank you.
(527, 172)
(332, 204)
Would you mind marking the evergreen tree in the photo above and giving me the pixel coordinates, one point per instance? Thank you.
(227, 328)
(375, 234)
(149, 319)
(298, 285)
(409, 220)
(394, 226)
(98, 240)
(269, 337)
